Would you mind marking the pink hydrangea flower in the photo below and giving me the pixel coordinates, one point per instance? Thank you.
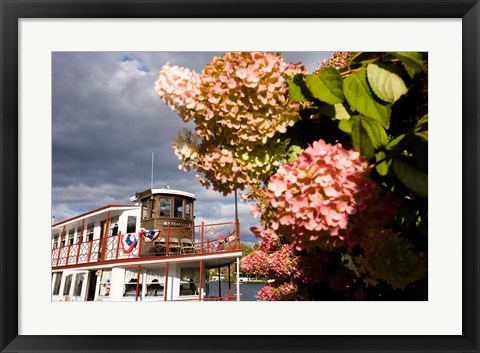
(317, 196)
(285, 291)
(177, 87)
(270, 241)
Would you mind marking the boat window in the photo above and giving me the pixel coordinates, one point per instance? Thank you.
(58, 281)
(90, 228)
(71, 233)
(130, 286)
(113, 225)
(144, 210)
(77, 289)
(63, 240)
(79, 234)
(55, 241)
(152, 208)
(155, 281)
(165, 207)
(105, 283)
(188, 209)
(189, 281)
(67, 285)
(131, 224)
(178, 208)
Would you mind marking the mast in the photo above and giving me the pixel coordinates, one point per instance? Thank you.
(151, 183)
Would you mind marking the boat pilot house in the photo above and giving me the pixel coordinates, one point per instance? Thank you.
(149, 251)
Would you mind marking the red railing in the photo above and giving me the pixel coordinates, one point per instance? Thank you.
(199, 239)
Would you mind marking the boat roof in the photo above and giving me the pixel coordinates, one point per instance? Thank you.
(96, 211)
(162, 192)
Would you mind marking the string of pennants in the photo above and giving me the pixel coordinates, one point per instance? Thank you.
(129, 242)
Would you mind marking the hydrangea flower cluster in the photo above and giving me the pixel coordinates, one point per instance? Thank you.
(293, 273)
(177, 87)
(317, 195)
(338, 60)
(270, 241)
(227, 167)
(238, 103)
(279, 264)
(245, 96)
(284, 291)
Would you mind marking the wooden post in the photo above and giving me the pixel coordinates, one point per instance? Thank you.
(237, 229)
(138, 283)
(118, 243)
(238, 279)
(68, 254)
(80, 239)
(200, 284)
(60, 247)
(229, 284)
(103, 241)
(90, 251)
(219, 284)
(165, 286)
(167, 249)
(202, 236)
(139, 245)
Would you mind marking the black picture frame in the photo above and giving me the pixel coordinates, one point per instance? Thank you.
(12, 10)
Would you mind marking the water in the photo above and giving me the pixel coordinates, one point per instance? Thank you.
(248, 290)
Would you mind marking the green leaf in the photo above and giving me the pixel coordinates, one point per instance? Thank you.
(337, 111)
(375, 131)
(386, 84)
(293, 152)
(359, 96)
(411, 177)
(360, 139)
(423, 135)
(367, 135)
(295, 89)
(363, 57)
(421, 128)
(384, 165)
(396, 141)
(326, 86)
(346, 126)
(412, 61)
(423, 120)
(341, 113)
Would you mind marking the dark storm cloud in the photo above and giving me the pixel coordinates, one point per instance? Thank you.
(107, 121)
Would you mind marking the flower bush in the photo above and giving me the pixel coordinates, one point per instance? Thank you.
(336, 162)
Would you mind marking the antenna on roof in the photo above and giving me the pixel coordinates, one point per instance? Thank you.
(151, 184)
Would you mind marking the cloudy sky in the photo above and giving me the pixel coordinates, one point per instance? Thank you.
(107, 121)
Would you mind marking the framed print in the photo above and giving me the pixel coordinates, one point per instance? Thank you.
(91, 93)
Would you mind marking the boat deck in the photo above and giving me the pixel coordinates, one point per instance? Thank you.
(167, 243)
